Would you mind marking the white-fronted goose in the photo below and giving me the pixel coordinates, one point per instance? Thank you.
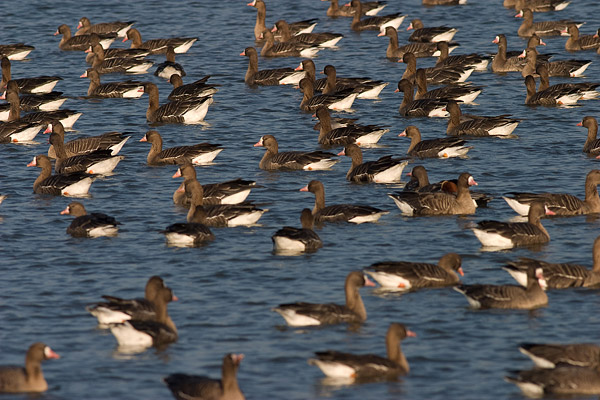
(498, 234)
(502, 62)
(543, 28)
(116, 309)
(126, 89)
(31, 102)
(305, 26)
(184, 387)
(29, 378)
(474, 60)
(429, 34)
(200, 153)
(113, 53)
(89, 225)
(321, 39)
(357, 134)
(578, 43)
(438, 203)
(566, 68)
(66, 117)
(586, 89)
(342, 100)
(354, 213)
(77, 184)
(292, 160)
(471, 125)
(81, 42)
(286, 49)
(39, 84)
(421, 107)
(368, 8)
(298, 240)
(384, 170)
(560, 381)
(557, 96)
(407, 275)
(306, 314)
(188, 111)
(118, 65)
(463, 92)
(193, 233)
(118, 27)
(112, 141)
(16, 51)
(552, 355)
(508, 296)
(418, 49)
(198, 88)
(592, 144)
(340, 365)
(169, 67)
(560, 275)
(99, 162)
(365, 87)
(560, 203)
(437, 148)
(269, 77)
(373, 23)
(437, 75)
(537, 5)
(158, 46)
(19, 131)
(443, 2)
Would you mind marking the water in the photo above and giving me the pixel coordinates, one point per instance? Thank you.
(227, 288)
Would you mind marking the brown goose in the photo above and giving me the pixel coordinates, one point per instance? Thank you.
(269, 77)
(437, 75)
(560, 275)
(321, 39)
(39, 84)
(286, 49)
(560, 381)
(543, 28)
(126, 89)
(368, 8)
(30, 378)
(560, 203)
(426, 107)
(116, 309)
(341, 100)
(124, 65)
(429, 34)
(185, 387)
(438, 203)
(192, 233)
(89, 225)
(298, 240)
(305, 26)
(198, 88)
(292, 160)
(99, 162)
(498, 234)
(578, 43)
(340, 365)
(437, 148)
(592, 144)
(169, 67)
(158, 46)
(373, 23)
(31, 102)
(443, 2)
(537, 5)
(112, 141)
(365, 87)
(200, 153)
(81, 42)
(555, 355)
(586, 89)
(463, 92)
(510, 61)
(306, 314)
(508, 296)
(566, 68)
(343, 135)
(407, 275)
(475, 60)
(470, 125)
(118, 27)
(113, 53)
(16, 51)
(187, 111)
(418, 49)
(384, 170)
(556, 96)
(76, 184)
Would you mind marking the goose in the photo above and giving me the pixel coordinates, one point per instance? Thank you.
(477, 61)
(81, 42)
(189, 234)
(16, 51)
(592, 144)
(375, 22)
(437, 148)
(89, 225)
(543, 28)
(305, 26)
(384, 170)
(298, 240)
(578, 43)
(463, 92)
(169, 67)
(113, 53)
(29, 378)
(38, 84)
(201, 153)
(159, 46)
(365, 87)
(459, 124)
(99, 162)
(286, 49)
(429, 34)
(120, 28)
(538, 5)
(113, 141)
(560, 381)
(437, 75)
(198, 88)
(31, 102)
(125, 89)
(357, 134)
(77, 184)
(189, 111)
(368, 8)
(127, 65)
(342, 100)
(269, 77)
(566, 68)
(426, 107)
(587, 90)
(292, 160)
(321, 39)
(417, 48)
(556, 96)
(553, 355)
(66, 117)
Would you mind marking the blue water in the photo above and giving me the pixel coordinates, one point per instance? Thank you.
(227, 288)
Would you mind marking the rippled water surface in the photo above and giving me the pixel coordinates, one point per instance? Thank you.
(227, 288)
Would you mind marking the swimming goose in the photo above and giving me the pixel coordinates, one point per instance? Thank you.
(560, 381)
(384, 170)
(437, 75)
(99, 162)
(81, 42)
(126, 89)
(592, 144)
(120, 28)
(158, 46)
(305, 26)
(426, 107)
(429, 34)
(29, 378)
(543, 28)
(365, 87)
(537, 5)
(198, 88)
(113, 53)
(292, 160)
(321, 39)
(368, 8)
(39, 84)
(192, 233)
(188, 111)
(342, 100)
(475, 60)
(31, 102)
(438, 148)
(16, 51)
(566, 68)
(586, 89)
(298, 240)
(112, 141)
(169, 67)
(117, 65)
(354, 133)
(463, 92)
(552, 355)
(200, 153)
(77, 184)
(89, 225)
(66, 117)
(556, 96)
(269, 77)
(578, 43)
(471, 125)
(417, 48)
(286, 49)
(373, 23)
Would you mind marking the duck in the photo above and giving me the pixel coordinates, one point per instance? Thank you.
(437, 75)
(434, 148)
(197, 88)
(184, 386)
(459, 124)
(543, 28)
(120, 28)
(298, 240)
(201, 153)
(592, 144)
(506, 235)
(559, 275)
(89, 225)
(34, 85)
(15, 51)
(113, 141)
(81, 42)
(190, 111)
(507, 296)
(553, 355)
(292, 160)
(559, 381)
(126, 65)
(560, 203)
(311, 314)
(375, 22)
(422, 107)
(286, 49)
(29, 378)
(321, 39)
(538, 5)
(578, 43)
(269, 77)
(159, 46)
(298, 27)
(358, 134)
(228, 192)
(365, 87)
(100, 162)
(419, 49)
(384, 170)
(558, 96)
(479, 62)
(169, 67)
(342, 100)
(338, 365)
(193, 233)
(115, 309)
(354, 213)
(77, 184)
(566, 68)
(464, 92)
(587, 90)
(368, 8)
(125, 89)
(408, 275)
(429, 34)
(31, 102)
(438, 203)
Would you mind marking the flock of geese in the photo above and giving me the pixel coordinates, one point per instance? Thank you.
(70, 168)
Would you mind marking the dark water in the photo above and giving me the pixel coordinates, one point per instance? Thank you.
(227, 288)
